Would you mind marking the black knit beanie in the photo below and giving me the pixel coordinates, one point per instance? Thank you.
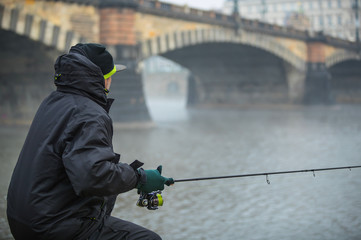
(98, 54)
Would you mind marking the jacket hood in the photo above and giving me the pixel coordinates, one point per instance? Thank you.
(76, 73)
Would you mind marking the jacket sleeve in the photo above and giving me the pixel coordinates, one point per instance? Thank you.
(91, 164)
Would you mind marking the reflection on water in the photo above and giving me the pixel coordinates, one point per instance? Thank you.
(223, 142)
(167, 110)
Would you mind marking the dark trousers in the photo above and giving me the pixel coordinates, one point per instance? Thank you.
(117, 229)
(111, 228)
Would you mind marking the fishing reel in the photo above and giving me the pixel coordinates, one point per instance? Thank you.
(150, 200)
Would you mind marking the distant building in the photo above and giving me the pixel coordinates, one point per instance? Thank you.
(334, 17)
(158, 64)
(298, 20)
(163, 78)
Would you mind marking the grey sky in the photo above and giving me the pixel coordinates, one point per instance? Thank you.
(201, 4)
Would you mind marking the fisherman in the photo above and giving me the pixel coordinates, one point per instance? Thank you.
(67, 177)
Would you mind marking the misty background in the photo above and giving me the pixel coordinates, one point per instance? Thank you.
(262, 132)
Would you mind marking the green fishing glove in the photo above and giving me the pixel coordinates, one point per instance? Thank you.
(153, 180)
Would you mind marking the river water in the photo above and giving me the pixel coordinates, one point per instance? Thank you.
(201, 143)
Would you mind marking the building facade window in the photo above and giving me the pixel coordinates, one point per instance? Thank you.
(339, 4)
(329, 20)
(259, 9)
(320, 4)
(339, 20)
(320, 21)
(329, 3)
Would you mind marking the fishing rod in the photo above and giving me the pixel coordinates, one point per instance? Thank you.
(265, 174)
(154, 199)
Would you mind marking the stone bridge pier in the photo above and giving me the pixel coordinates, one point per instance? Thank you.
(117, 25)
(317, 82)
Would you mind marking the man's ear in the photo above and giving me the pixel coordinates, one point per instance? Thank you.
(107, 82)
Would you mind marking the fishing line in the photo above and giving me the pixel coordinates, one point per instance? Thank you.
(266, 174)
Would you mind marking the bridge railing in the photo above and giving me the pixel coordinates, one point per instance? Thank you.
(216, 18)
(213, 17)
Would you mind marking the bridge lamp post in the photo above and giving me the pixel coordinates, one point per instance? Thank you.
(264, 10)
(355, 7)
(236, 16)
(235, 8)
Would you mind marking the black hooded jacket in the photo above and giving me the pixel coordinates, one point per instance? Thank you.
(67, 169)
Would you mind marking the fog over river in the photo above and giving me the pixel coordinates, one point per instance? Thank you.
(201, 143)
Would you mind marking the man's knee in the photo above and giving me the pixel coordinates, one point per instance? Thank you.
(139, 232)
(124, 229)
(154, 236)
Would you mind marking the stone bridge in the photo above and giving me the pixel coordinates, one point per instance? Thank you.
(233, 61)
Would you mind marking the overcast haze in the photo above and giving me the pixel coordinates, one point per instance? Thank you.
(202, 4)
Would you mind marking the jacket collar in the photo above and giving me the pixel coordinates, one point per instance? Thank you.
(109, 104)
(106, 105)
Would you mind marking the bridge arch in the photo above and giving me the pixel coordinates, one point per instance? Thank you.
(37, 29)
(31, 44)
(340, 56)
(345, 84)
(179, 39)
